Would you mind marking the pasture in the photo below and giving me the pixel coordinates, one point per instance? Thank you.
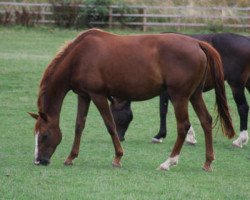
(24, 54)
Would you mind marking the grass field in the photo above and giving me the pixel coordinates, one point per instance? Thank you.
(24, 54)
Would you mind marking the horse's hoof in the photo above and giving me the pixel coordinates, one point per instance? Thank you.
(162, 168)
(241, 140)
(68, 162)
(191, 143)
(191, 140)
(157, 141)
(116, 164)
(207, 168)
(237, 145)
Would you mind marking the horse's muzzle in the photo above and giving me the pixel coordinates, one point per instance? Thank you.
(42, 162)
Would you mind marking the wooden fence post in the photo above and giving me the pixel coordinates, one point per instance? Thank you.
(142, 11)
(110, 17)
(144, 20)
(43, 10)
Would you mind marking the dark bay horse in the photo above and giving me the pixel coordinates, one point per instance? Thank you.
(235, 54)
(97, 65)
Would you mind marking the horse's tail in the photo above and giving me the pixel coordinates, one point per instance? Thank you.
(216, 69)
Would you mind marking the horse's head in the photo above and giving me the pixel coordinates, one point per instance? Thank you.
(47, 137)
(122, 114)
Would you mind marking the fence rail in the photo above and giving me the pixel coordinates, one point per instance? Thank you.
(147, 16)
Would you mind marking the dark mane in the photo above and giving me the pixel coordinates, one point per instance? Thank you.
(61, 54)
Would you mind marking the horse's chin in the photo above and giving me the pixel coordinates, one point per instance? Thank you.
(37, 162)
(43, 162)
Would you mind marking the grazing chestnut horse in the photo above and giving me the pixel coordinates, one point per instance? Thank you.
(97, 65)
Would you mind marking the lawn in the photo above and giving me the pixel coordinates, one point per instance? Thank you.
(24, 54)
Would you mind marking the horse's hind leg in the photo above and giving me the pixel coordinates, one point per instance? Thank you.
(206, 123)
(164, 100)
(243, 108)
(102, 105)
(83, 106)
(183, 125)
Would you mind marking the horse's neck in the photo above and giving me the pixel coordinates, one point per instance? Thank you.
(54, 92)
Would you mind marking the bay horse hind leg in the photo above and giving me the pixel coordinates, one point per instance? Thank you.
(206, 123)
(163, 109)
(102, 105)
(183, 125)
(243, 109)
(163, 105)
(82, 111)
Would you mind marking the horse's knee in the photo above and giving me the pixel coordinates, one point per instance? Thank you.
(79, 127)
(111, 128)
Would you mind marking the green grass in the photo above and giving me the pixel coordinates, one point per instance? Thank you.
(24, 54)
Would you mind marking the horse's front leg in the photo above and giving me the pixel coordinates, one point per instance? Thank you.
(163, 108)
(102, 105)
(82, 110)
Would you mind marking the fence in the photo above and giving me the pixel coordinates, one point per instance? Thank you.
(145, 16)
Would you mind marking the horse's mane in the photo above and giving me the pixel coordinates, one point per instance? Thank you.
(61, 54)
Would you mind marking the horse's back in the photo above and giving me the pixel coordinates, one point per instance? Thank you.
(235, 52)
(150, 62)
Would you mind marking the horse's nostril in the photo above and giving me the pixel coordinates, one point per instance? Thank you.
(44, 161)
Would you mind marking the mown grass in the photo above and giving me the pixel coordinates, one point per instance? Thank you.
(24, 54)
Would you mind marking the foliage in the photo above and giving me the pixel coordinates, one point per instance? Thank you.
(25, 17)
(5, 17)
(215, 26)
(65, 13)
(95, 10)
(21, 16)
(124, 9)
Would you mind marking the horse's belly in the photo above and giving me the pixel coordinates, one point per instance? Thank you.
(136, 92)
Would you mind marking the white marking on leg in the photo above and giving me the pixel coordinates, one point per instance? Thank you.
(242, 139)
(36, 148)
(190, 138)
(171, 161)
(155, 140)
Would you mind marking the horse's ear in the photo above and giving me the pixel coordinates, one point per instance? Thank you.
(33, 115)
(43, 116)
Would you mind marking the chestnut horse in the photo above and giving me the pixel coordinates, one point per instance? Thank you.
(97, 65)
(234, 50)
